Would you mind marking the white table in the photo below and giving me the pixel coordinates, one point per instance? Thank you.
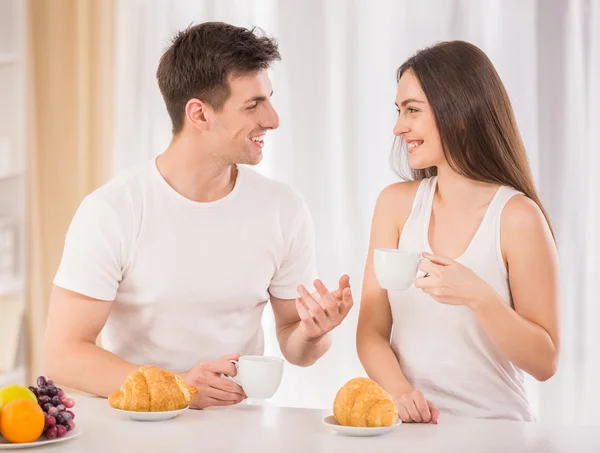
(265, 429)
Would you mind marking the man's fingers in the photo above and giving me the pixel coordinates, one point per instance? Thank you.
(329, 303)
(347, 302)
(225, 385)
(223, 366)
(435, 413)
(305, 318)
(223, 395)
(206, 401)
(315, 309)
(343, 284)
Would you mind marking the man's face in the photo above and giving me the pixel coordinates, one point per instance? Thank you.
(238, 130)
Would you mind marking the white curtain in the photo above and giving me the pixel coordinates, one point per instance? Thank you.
(335, 92)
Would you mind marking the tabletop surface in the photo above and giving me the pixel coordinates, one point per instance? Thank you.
(265, 428)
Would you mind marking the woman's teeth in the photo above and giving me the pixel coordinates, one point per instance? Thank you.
(412, 145)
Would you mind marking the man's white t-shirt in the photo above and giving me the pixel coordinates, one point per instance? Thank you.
(189, 280)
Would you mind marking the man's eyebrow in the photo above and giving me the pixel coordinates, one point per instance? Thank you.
(258, 98)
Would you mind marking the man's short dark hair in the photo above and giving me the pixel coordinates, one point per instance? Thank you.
(200, 59)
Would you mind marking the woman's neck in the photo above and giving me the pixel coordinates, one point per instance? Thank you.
(455, 190)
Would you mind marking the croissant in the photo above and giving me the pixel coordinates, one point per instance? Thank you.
(152, 389)
(362, 402)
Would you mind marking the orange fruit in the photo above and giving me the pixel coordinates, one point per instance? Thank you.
(21, 421)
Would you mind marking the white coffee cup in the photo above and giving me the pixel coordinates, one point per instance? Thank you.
(396, 270)
(259, 376)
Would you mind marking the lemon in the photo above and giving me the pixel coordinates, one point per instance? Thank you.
(14, 392)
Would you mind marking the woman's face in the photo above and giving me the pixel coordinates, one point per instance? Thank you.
(416, 124)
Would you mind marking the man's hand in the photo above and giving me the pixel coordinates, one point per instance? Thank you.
(213, 389)
(320, 317)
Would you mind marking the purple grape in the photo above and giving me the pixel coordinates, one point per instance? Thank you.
(66, 416)
(61, 393)
(42, 390)
(44, 399)
(60, 419)
(56, 400)
(71, 413)
(50, 421)
(52, 391)
(46, 407)
(50, 383)
(41, 381)
(61, 430)
(52, 432)
(52, 411)
(71, 425)
(68, 402)
(61, 407)
(33, 390)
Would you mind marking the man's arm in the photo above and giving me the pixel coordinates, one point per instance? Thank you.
(73, 359)
(71, 355)
(304, 324)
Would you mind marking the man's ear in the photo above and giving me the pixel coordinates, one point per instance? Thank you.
(196, 114)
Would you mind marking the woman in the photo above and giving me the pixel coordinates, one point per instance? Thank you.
(486, 308)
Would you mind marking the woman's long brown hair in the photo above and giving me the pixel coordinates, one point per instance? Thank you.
(474, 117)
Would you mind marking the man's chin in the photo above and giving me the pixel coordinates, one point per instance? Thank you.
(251, 159)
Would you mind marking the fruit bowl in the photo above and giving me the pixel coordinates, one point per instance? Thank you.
(33, 415)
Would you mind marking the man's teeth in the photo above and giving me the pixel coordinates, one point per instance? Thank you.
(258, 139)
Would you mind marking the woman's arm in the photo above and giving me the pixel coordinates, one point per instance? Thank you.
(375, 318)
(528, 335)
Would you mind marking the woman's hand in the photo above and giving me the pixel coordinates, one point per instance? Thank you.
(450, 282)
(413, 407)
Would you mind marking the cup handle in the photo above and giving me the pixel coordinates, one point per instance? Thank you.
(231, 378)
(421, 273)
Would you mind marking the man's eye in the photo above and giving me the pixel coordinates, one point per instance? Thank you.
(252, 107)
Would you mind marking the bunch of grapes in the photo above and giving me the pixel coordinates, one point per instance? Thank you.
(56, 405)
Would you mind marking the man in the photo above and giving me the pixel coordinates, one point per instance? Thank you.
(175, 261)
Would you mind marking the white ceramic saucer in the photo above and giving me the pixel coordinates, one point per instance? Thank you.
(151, 416)
(358, 431)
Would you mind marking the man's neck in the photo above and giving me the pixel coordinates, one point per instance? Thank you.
(195, 174)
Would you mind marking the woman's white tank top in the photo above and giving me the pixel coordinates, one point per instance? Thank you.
(442, 349)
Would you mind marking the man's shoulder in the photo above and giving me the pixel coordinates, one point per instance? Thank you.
(271, 188)
(123, 190)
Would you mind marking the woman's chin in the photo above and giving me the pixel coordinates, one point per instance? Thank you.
(418, 164)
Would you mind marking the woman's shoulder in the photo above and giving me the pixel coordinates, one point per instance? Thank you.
(395, 202)
(399, 193)
(522, 212)
(523, 225)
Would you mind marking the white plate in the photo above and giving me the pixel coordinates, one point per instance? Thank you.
(6, 445)
(358, 431)
(151, 416)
